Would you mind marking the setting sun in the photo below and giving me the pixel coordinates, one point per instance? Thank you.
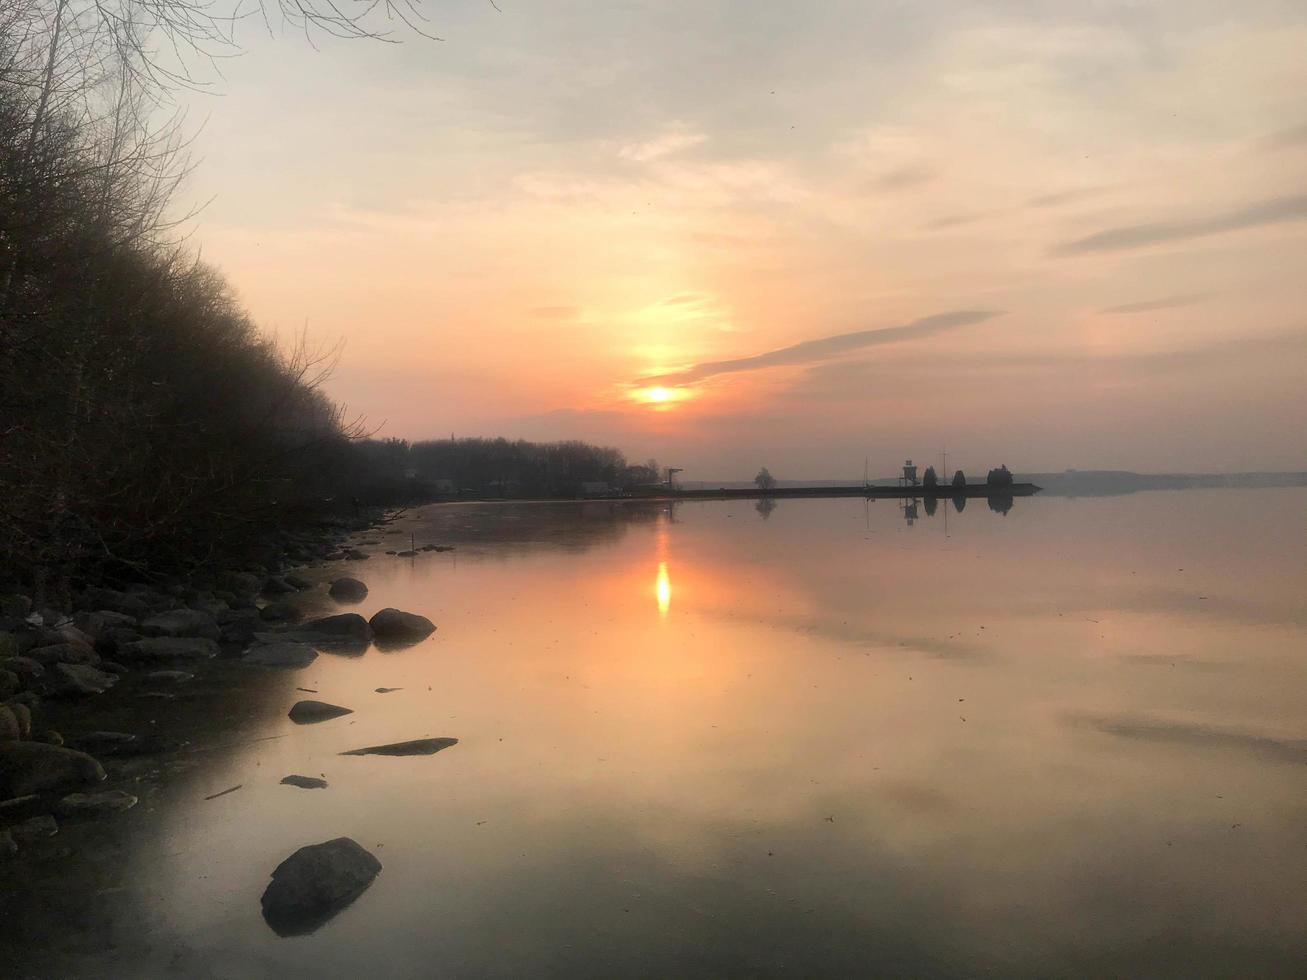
(660, 396)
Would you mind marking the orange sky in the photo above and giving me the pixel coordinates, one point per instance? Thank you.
(514, 228)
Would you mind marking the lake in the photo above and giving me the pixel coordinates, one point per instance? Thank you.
(719, 739)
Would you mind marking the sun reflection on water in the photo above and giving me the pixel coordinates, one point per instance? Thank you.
(663, 589)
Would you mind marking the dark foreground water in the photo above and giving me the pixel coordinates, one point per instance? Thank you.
(714, 741)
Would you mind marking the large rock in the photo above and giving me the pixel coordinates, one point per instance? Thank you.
(15, 606)
(276, 585)
(64, 653)
(297, 581)
(418, 746)
(25, 667)
(35, 828)
(82, 679)
(307, 712)
(397, 626)
(281, 611)
(281, 654)
(10, 731)
(97, 624)
(348, 590)
(35, 767)
(181, 622)
(23, 715)
(9, 682)
(346, 626)
(304, 782)
(120, 602)
(166, 649)
(315, 883)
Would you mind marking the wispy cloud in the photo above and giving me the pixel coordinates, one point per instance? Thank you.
(826, 347)
(1286, 139)
(1277, 210)
(1163, 303)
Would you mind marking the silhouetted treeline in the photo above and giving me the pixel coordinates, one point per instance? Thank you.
(144, 422)
(394, 470)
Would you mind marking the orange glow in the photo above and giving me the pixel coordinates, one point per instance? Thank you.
(663, 589)
(660, 397)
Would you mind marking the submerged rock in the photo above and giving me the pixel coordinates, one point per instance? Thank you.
(35, 767)
(281, 654)
(315, 883)
(168, 648)
(387, 690)
(281, 611)
(88, 804)
(397, 626)
(181, 622)
(297, 581)
(304, 782)
(83, 679)
(344, 625)
(307, 712)
(418, 746)
(34, 828)
(348, 590)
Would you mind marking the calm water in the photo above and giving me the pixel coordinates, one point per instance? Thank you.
(709, 741)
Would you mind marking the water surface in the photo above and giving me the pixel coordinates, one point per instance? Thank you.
(719, 739)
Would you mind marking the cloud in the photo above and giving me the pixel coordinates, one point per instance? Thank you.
(1164, 303)
(826, 347)
(666, 145)
(909, 176)
(1276, 210)
(1063, 197)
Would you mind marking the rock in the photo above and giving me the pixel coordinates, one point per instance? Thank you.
(240, 583)
(109, 801)
(315, 883)
(169, 648)
(353, 554)
(387, 690)
(7, 843)
(350, 626)
(64, 653)
(15, 606)
(406, 554)
(113, 667)
(348, 590)
(304, 782)
(282, 654)
(9, 727)
(182, 622)
(297, 581)
(51, 737)
(102, 743)
(277, 586)
(170, 676)
(97, 624)
(34, 767)
(8, 682)
(419, 746)
(34, 828)
(120, 602)
(68, 633)
(280, 611)
(308, 712)
(23, 715)
(396, 626)
(82, 679)
(25, 667)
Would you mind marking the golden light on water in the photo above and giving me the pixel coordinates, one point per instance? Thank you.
(663, 589)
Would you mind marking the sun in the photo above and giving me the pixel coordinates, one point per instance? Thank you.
(659, 394)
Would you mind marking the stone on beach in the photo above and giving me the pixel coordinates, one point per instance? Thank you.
(109, 801)
(397, 626)
(348, 590)
(169, 648)
(82, 679)
(181, 622)
(418, 746)
(307, 712)
(304, 782)
(349, 626)
(315, 883)
(281, 654)
(35, 767)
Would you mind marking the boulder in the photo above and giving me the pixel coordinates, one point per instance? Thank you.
(7, 843)
(10, 731)
(25, 667)
(315, 883)
(82, 679)
(396, 626)
(119, 602)
(297, 581)
(68, 633)
(275, 585)
(35, 767)
(281, 654)
(181, 622)
(15, 606)
(9, 682)
(308, 712)
(34, 828)
(348, 590)
(23, 715)
(418, 746)
(64, 653)
(97, 624)
(281, 611)
(346, 626)
(90, 804)
(240, 583)
(304, 782)
(166, 649)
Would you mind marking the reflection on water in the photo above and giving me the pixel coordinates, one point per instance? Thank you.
(1066, 740)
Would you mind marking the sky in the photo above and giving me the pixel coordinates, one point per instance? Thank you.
(794, 235)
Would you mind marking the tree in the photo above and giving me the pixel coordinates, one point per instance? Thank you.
(928, 479)
(765, 480)
(959, 479)
(1000, 477)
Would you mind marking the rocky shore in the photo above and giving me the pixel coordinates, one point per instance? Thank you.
(149, 640)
